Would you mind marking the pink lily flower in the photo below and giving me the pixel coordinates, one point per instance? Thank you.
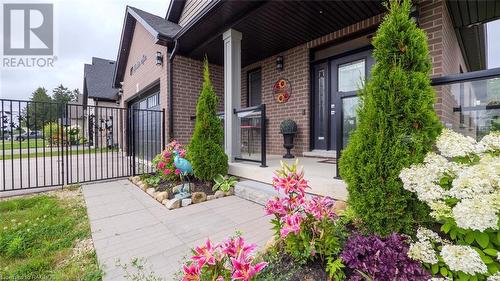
(244, 270)
(205, 254)
(191, 272)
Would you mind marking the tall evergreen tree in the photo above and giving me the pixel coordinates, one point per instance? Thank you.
(205, 150)
(397, 126)
(40, 111)
(62, 94)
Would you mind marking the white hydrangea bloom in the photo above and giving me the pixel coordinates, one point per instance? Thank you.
(463, 258)
(425, 234)
(440, 279)
(440, 210)
(494, 277)
(423, 251)
(477, 180)
(490, 142)
(452, 144)
(475, 214)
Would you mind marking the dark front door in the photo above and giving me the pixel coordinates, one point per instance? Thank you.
(336, 84)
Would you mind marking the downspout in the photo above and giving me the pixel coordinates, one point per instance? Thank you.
(171, 92)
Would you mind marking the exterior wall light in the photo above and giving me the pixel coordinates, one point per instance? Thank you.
(279, 63)
(159, 58)
(414, 15)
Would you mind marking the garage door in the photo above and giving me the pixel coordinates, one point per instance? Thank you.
(146, 129)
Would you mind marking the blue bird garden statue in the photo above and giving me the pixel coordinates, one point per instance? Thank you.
(186, 169)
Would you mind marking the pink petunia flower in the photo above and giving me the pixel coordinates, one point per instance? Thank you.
(177, 171)
(167, 154)
(191, 272)
(167, 171)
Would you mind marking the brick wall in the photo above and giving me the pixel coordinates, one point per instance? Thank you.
(188, 80)
(295, 70)
(446, 55)
(133, 83)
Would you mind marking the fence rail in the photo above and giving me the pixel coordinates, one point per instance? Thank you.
(46, 144)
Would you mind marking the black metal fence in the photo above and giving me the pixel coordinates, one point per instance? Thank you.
(44, 144)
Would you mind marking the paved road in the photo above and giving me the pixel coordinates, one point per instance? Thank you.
(126, 223)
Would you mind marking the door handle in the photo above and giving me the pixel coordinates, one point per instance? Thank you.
(332, 112)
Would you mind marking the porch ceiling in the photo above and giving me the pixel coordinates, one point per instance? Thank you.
(270, 27)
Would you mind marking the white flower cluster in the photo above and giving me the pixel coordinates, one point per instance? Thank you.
(463, 258)
(467, 192)
(476, 214)
(490, 142)
(494, 277)
(452, 144)
(471, 184)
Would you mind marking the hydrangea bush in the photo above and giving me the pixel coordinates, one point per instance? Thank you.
(231, 260)
(461, 187)
(375, 258)
(307, 225)
(164, 162)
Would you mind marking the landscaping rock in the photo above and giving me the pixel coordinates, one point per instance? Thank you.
(160, 196)
(210, 197)
(219, 194)
(174, 203)
(186, 202)
(150, 191)
(198, 197)
(177, 188)
(164, 201)
(339, 206)
(135, 179)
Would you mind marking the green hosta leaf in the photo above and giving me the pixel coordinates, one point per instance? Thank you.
(443, 271)
(453, 234)
(469, 237)
(446, 227)
(486, 259)
(463, 276)
(492, 268)
(491, 252)
(435, 268)
(483, 239)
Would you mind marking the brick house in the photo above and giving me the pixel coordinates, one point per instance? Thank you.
(319, 50)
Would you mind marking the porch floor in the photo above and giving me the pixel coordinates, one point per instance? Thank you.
(320, 173)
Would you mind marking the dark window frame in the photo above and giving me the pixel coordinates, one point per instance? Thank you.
(249, 72)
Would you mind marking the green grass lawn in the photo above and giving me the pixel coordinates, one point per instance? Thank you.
(46, 237)
(54, 153)
(8, 145)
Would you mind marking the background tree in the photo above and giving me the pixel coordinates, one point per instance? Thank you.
(40, 111)
(397, 126)
(205, 150)
(61, 94)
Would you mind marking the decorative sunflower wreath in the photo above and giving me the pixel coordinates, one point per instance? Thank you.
(282, 90)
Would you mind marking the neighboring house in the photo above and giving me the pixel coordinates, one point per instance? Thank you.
(321, 49)
(101, 102)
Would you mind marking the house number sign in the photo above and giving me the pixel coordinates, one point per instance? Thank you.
(137, 65)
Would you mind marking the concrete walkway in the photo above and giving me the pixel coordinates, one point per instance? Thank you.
(126, 223)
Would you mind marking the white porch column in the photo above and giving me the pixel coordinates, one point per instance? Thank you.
(232, 92)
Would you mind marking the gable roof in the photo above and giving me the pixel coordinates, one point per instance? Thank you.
(98, 80)
(161, 29)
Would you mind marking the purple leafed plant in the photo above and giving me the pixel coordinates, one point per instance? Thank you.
(382, 259)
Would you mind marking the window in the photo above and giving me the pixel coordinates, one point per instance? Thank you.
(254, 88)
(351, 76)
(153, 100)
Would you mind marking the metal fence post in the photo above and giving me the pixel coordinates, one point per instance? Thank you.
(263, 125)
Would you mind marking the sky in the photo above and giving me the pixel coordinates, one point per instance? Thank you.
(87, 28)
(82, 29)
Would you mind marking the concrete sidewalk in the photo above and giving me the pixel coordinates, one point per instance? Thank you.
(126, 223)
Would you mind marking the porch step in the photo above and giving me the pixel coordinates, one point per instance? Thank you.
(320, 153)
(254, 191)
